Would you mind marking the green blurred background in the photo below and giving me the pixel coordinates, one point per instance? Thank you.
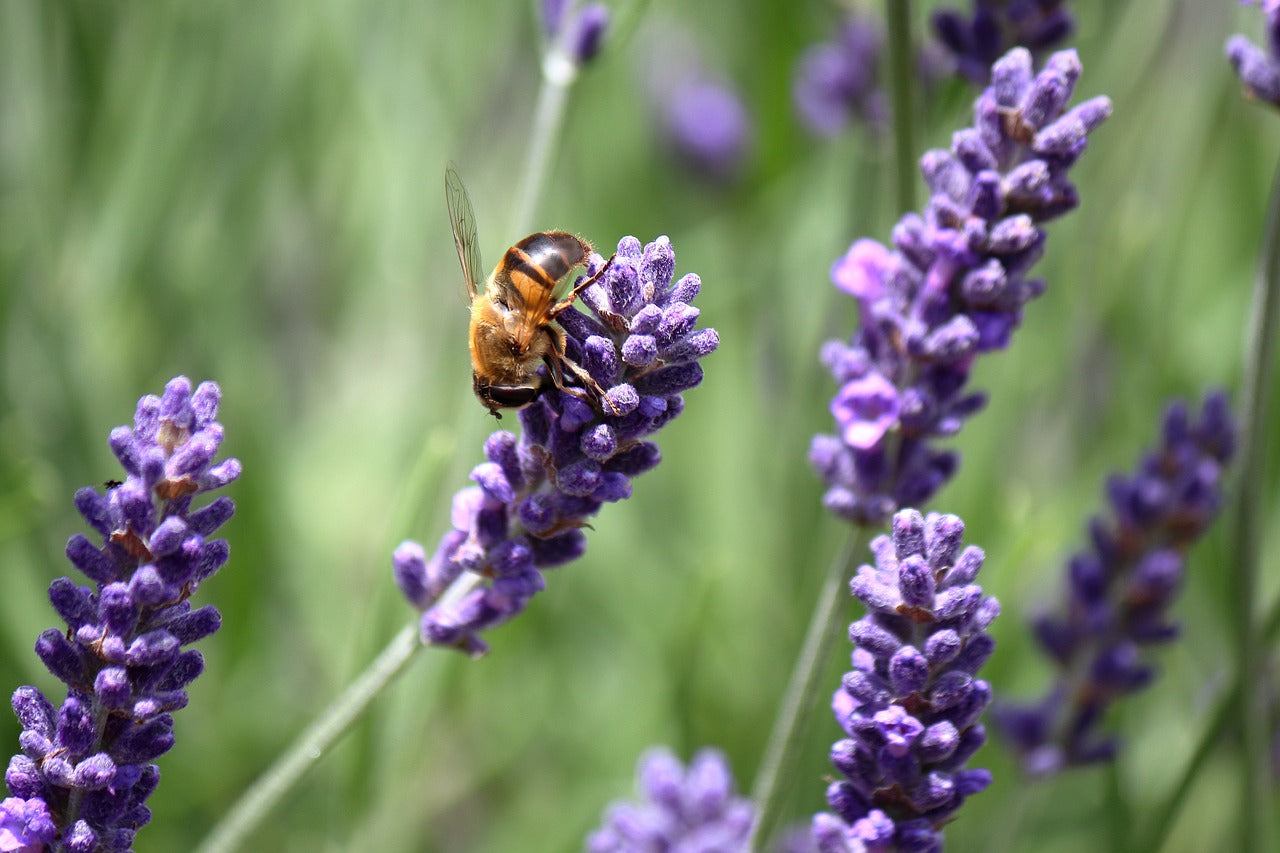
(251, 192)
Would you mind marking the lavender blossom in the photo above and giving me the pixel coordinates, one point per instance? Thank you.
(85, 770)
(952, 288)
(535, 493)
(682, 811)
(836, 84)
(1259, 69)
(1120, 588)
(911, 704)
(577, 33)
(975, 41)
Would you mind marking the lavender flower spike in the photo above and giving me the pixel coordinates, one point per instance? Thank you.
(85, 770)
(975, 41)
(536, 492)
(835, 81)
(953, 288)
(910, 706)
(682, 810)
(1259, 69)
(1120, 588)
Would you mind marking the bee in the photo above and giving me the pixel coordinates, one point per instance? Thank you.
(511, 332)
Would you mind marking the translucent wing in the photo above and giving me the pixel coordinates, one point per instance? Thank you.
(462, 220)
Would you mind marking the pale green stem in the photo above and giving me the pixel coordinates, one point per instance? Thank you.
(901, 75)
(777, 776)
(558, 74)
(1255, 818)
(256, 802)
(1241, 704)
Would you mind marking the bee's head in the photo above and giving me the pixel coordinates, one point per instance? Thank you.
(497, 397)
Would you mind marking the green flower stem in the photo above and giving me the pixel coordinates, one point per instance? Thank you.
(1241, 704)
(777, 775)
(256, 802)
(898, 16)
(558, 74)
(1246, 535)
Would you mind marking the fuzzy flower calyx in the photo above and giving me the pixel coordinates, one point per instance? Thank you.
(639, 339)
(911, 704)
(952, 288)
(85, 769)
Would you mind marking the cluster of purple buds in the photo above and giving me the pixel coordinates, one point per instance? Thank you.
(85, 771)
(836, 81)
(535, 493)
(681, 810)
(576, 33)
(911, 704)
(953, 288)
(1119, 591)
(977, 40)
(1259, 69)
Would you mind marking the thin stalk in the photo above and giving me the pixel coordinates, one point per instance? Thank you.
(778, 768)
(1240, 703)
(898, 16)
(558, 74)
(1246, 534)
(256, 802)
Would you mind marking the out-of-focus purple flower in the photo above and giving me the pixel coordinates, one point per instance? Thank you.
(1259, 69)
(122, 657)
(953, 287)
(700, 118)
(535, 493)
(836, 82)
(1119, 590)
(995, 26)
(911, 704)
(680, 810)
(576, 33)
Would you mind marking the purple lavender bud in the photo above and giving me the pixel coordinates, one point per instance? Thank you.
(679, 810)
(953, 287)
(975, 41)
(1119, 591)
(911, 716)
(708, 129)
(585, 34)
(121, 654)
(536, 492)
(1258, 69)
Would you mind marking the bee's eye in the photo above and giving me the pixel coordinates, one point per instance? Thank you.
(511, 396)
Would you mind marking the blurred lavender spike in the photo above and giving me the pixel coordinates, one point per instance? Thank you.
(911, 704)
(1120, 588)
(952, 288)
(532, 498)
(85, 769)
(692, 809)
(994, 27)
(1258, 69)
(836, 81)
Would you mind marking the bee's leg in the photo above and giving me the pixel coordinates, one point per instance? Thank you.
(564, 304)
(590, 391)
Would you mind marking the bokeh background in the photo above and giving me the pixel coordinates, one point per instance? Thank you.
(252, 193)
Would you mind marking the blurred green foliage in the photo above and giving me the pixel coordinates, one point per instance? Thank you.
(251, 192)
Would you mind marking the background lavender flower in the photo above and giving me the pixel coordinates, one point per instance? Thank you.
(996, 26)
(699, 116)
(911, 704)
(1259, 69)
(121, 655)
(952, 289)
(836, 82)
(680, 810)
(579, 32)
(535, 493)
(1119, 590)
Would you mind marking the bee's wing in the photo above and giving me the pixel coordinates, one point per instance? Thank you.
(463, 221)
